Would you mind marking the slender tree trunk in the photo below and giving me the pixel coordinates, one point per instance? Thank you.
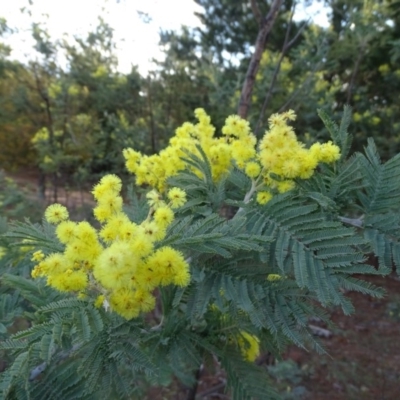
(42, 185)
(354, 74)
(151, 116)
(266, 25)
(55, 187)
(43, 94)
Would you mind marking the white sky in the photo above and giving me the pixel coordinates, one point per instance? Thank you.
(137, 42)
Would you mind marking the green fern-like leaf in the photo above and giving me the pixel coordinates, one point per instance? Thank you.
(36, 292)
(339, 134)
(40, 236)
(382, 189)
(246, 380)
(310, 247)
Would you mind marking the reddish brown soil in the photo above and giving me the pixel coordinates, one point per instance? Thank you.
(364, 351)
(73, 198)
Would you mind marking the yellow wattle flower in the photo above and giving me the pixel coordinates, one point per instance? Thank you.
(56, 213)
(249, 346)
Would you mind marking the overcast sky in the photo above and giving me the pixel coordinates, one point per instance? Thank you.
(137, 41)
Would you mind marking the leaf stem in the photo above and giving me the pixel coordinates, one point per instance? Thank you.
(356, 222)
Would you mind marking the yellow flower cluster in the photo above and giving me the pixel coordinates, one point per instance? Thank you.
(281, 154)
(119, 261)
(273, 167)
(274, 277)
(41, 135)
(237, 144)
(249, 346)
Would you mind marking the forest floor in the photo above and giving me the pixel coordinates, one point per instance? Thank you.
(363, 360)
(363, 351)
(78, 202)
(28, 182)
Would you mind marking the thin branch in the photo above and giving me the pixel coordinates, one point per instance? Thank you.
(212, 390)
(248, 85)
(191, 394)
(45, 98)
(299, 89)
(277, 69)
(250, 193)
(321, 332)
(38, 369)
(300, 31)
(256, 11)
(354, 74)
(286, 46)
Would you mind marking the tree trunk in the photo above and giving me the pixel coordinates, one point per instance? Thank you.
(42, 186)
(151, 116)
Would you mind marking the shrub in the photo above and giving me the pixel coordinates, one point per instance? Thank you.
(233, 248)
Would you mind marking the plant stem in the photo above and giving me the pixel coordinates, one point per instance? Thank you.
(191, 394)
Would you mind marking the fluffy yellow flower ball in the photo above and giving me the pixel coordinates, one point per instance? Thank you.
(56, 213)
(253, 169)
(177, 197)
(263, 197)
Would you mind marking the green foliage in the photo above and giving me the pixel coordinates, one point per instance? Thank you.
(314, 238)
(28, 234)
(92, 351)
(9, 310)
(378, 205)
(339, 135)
(92, 111)
(247, 381)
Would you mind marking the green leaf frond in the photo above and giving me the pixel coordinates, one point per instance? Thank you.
(40, 236)
(36, 292)
(335, 188)
(309, 247)
(137, 208)
(203, 194)
(10, 308)
(64, 381)
(88, 348)
(382, 231)
(213, 235)
(237, 184)
(382, 191)
(379, 204)
(246, 380)
(185, 357)
(339, 134)
(279, 307)
(200, 163)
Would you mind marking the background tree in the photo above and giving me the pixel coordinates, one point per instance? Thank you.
(95, 109)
